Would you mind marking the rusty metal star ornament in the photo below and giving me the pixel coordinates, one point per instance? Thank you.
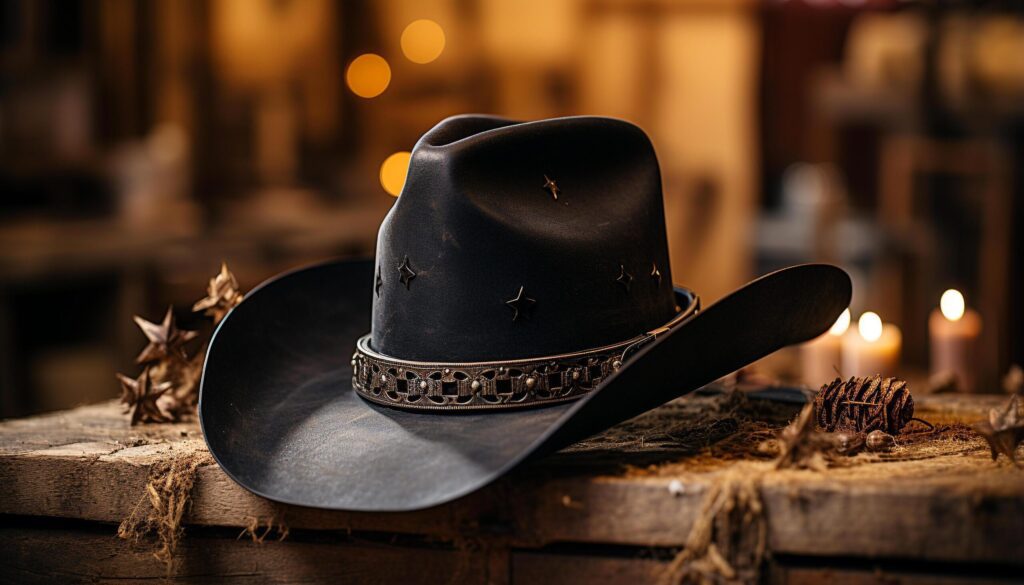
(406, 273)
(1004, 430)
(551, 186)
(222, 295)
(165, 339)
(183, 374)
(625, 278)
(140, 397)
(521, 304)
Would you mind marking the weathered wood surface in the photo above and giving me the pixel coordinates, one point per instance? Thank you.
(93, 555)
(48, 555)
(88, 464)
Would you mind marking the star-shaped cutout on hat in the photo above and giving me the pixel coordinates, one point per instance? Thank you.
(625, 278)
(521, 304)
(140, 397)
(551, 186)
(655, 273)
(378, 282)
(222, 295)
(406, 272)
(165, 339)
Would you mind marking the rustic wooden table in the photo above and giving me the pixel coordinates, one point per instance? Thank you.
(615, 509)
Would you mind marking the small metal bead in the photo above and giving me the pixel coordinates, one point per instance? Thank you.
(423, 384)
(575, 374)
(848, 443)
(880, 441)
(475, 385)
(530, 382)
(353, 363)
(447, 370)
(616, 364)
(501, 370)
(383, 377)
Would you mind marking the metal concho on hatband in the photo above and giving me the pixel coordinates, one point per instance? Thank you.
(492, 385)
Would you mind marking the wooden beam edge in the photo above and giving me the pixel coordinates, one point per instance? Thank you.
(970, 519)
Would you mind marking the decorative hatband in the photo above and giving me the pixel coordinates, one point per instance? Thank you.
(491, 385)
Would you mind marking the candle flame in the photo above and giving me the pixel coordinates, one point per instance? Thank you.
(870, 326)
(841, 324)
(952, 304)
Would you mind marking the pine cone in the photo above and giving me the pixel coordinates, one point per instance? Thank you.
(864, 405)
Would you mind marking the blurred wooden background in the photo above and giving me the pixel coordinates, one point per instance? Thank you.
(144, 141)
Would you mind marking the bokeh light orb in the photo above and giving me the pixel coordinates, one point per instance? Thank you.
(368, 75)
(870, 326)
(423, 41)
(952, 304)
(393, 171)
(841, 325)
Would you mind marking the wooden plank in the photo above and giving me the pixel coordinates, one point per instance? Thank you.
(104, 482)
(49, 554)
(953, 518)
(89, 554)
(88, 464)
(877, 575)
(547, 568)
(531, 568)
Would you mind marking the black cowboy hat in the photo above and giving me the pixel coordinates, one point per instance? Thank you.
(521, 300)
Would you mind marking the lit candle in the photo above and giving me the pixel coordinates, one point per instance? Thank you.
(873, 349)
(821, 358)
(953, 331)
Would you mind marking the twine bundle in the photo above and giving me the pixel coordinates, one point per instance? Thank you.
(864, 405)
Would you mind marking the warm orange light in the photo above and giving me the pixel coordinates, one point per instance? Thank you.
(841, 325)
(422, 41)
(368, 75)
(393, 171)
(952, 305)
(870, 326)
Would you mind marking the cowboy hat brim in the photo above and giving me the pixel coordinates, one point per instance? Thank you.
(280, 416)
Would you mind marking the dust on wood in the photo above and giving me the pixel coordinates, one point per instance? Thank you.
(735, 437)
(706, 430)
(713, 431)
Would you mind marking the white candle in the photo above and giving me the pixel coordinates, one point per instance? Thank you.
(953, 331)
(874, 348)
(821, 358)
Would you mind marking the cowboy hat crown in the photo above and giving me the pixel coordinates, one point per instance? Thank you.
(513, 241)
(509, 240)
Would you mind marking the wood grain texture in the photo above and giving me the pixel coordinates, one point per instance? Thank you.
(38, 554)
(869, 575)
(88, 464)
(46, 555)
(551, 569)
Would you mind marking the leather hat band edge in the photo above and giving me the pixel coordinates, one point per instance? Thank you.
(498, 385)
